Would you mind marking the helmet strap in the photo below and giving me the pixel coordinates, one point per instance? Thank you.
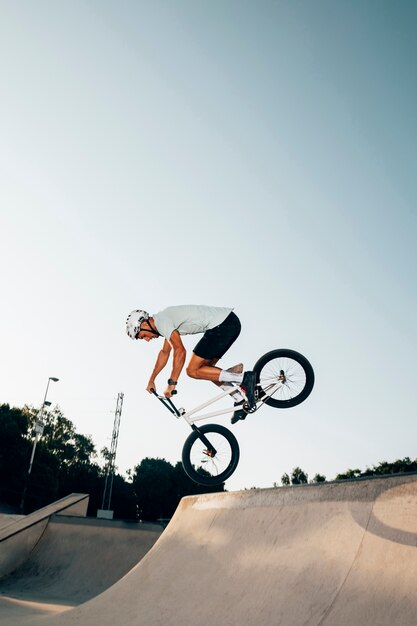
(151, 330)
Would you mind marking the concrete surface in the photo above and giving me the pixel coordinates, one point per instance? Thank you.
(340, 554)
(18, 538)
(74, 560)
(8, 518)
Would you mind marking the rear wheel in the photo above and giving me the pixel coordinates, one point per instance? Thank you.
(213, 464)
(285, 376)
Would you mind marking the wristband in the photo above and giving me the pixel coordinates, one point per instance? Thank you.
(172, 382)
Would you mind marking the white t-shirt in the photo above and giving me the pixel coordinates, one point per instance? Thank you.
(189, 319)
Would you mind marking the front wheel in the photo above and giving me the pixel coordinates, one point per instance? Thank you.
(285, 378)
(210, 465)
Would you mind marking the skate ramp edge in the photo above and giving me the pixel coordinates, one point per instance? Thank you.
(333, 554)
(18, 538)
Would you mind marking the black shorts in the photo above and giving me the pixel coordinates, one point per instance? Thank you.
(216, 341)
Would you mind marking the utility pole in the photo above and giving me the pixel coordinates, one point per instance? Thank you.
(39, 427)
(108, 484)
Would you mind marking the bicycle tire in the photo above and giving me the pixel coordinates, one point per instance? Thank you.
(299, 375)
(194, 448)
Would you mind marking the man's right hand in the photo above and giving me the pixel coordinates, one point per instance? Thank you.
(151, 385)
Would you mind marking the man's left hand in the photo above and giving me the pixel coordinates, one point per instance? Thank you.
(168, 391)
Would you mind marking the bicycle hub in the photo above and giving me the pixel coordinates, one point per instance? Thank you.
(282, 376)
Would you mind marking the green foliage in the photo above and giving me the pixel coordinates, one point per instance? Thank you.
(319, 478)
(400, 466)
(14, 453)
(285, 480)
(61, 440)
(155, 489)
(187, 487)
(123, 500)
(159, 486)
(298, 477)
(62, 462)
(65, 462)
(350, 473)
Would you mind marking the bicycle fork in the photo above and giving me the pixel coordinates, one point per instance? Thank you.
(210, 449)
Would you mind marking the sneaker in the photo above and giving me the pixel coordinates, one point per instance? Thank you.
(248, 385)
(236, 395)
(239, 414)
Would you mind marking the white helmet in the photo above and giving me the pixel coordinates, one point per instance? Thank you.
(134, 321)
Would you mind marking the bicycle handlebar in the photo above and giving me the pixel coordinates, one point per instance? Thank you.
(158, 396)
(167, 402)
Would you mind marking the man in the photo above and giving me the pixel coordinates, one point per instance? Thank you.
(220, 326)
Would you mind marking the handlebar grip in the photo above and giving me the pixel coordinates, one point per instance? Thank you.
(174, 391)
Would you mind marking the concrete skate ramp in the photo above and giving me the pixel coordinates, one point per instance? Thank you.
(18, 537)
(77, 558)
(337, 553)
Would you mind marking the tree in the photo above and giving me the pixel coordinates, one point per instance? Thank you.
(187, 487)
(298, 477)
(159, 486)
(123, 500)
(61, 439)
(15, 451)
(155, 488)
(400, 466)
(397, 467)
(350, 473)
(319, 478)
(285, 480)
(65, 462)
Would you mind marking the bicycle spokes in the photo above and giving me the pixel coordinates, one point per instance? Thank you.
(213, 459)
(282, 378)
(285, 376)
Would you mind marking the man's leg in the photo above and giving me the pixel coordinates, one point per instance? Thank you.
(203, 369)
(217, 341)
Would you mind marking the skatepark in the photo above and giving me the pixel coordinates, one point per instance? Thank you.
(337, 553)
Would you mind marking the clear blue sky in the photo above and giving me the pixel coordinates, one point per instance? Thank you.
(254, 154)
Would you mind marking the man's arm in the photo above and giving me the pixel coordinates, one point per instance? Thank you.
(178, 362)
(161, 361)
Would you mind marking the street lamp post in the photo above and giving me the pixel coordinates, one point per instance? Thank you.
(39, 426)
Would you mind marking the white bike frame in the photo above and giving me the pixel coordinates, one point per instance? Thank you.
(272, 386)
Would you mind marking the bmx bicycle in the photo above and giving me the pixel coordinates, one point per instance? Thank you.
(210, 455)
